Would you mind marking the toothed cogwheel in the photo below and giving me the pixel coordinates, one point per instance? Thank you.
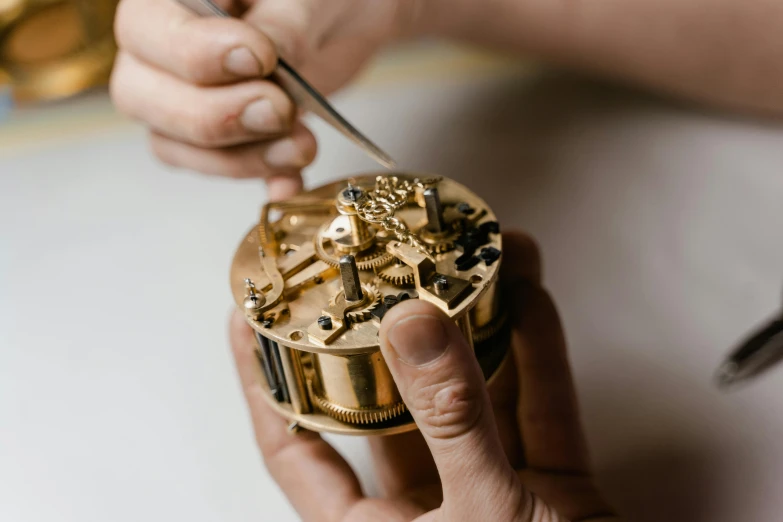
(439, 244)
(377, 257)
(364, 312)
(397, 274)
(441, 247)
(486, 332)
(359, 416)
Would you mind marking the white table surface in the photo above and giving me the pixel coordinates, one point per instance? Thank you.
(661, 233)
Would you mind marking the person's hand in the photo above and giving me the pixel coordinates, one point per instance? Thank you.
(198, 82)
(515, 453)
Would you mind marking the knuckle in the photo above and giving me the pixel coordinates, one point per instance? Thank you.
(207, 128)
(267, 55)
(237, 169)
(296, 47)
(291, 34)
(449, 409)
(191, 61)
(309, 147)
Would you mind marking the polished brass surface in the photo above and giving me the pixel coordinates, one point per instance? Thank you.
(467, 329)
(487, 308)
(397, 273)
(435, 222)
(56, 48)
(356, 388)
(337, 238)
(315, 276)
(294, 373)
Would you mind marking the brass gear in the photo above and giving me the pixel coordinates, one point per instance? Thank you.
(359, 416)
(364, 312)
(490, 330)
(443, 246)
(377, 257)
(397, 274)
(441, 243)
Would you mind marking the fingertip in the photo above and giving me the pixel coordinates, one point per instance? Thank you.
(282, 187)
(416, 332)
(406, 309)
(306, 141)
(536, 311)
(216, 50)
(267, 54)
(525, 255)
(294, 151)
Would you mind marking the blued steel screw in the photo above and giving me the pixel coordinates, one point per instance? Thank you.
(441, 283)
(352, 193)
(325, 322)
(465, 209)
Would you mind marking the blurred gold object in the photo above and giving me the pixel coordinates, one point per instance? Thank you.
(318, 273)
(56, 48)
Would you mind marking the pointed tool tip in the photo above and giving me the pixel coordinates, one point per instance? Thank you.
(386, 160)
(376, 153)
(727, 376)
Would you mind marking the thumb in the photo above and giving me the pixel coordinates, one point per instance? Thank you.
(442, 385)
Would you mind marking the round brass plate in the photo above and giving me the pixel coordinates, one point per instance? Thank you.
(318, 349)
(364, 337)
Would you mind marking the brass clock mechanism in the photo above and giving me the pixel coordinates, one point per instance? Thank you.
(317, 274)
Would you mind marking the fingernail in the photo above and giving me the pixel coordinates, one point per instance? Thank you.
(285, 153)
(418, 339)
(260, 116)
(242, 62)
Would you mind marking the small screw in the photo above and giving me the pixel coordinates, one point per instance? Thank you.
(466, 209)
(390, 300)
(489, 255)
(441, 283)
(352, 193)
(253, 300)
(267, 323)
(325, 322)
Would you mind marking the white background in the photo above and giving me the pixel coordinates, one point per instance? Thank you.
(661, 233)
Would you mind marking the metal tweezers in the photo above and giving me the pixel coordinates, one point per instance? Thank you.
(303, 94)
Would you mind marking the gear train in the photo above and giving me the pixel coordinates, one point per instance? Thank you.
(316, 275)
